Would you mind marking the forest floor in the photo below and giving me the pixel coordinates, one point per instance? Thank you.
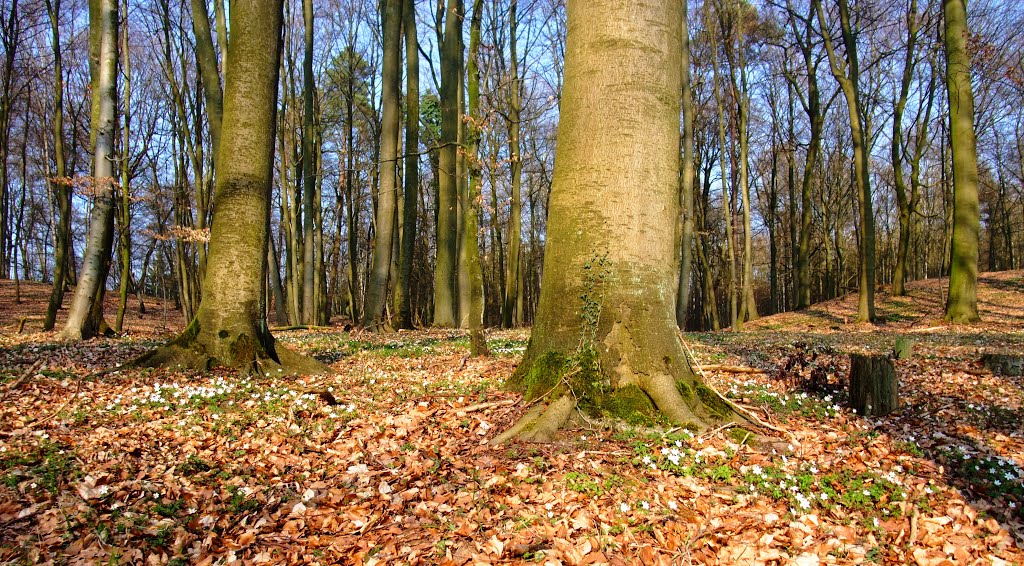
(385, 460)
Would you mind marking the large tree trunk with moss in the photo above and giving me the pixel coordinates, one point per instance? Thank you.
(962, 302)
(230, 328)
(82, 322)
(605, 335)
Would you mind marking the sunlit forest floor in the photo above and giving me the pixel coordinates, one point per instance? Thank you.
(385, 461)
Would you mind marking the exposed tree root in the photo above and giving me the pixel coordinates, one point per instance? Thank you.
(540, 423)
(248, 352)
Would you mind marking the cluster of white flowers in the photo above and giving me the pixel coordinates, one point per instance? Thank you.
(673, 454)
(509, 349)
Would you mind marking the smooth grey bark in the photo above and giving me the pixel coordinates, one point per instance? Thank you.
(230, 328)
(60, 185)
(384, 223)
(686, 179)
(411, 189)
(81, 321)
(309, 202)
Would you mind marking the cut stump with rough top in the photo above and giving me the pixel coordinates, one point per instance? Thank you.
(874, 389)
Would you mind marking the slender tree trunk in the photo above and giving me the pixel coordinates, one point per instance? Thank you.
(749, 309)
(463, 284)
(11, 45)
(962, 301)
(687, 173)
(277, 289)
(470, 238)
(445, 276)
(207, 61)
(384, 224)
(352, 202)
(103, 27)
(897, 156)
(309, 304)
(511, 314)
(848, 76)
(125, 210)
(727, 208)
(403, 291)
(60, 184)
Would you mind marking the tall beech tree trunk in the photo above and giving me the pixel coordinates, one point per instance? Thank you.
(962, 301)
(82, 322)
(897, 151)
(384, 223)
(207, 60)
(847, 73)
(124, 210)
(60, 184)
(310, 204)
(749, 304)
(511, 313)
(411, 188)
(811, 104)
(727, 206)
(470, 238)
(605, 333)
(686, 172)
(230, 328)
(445, 275)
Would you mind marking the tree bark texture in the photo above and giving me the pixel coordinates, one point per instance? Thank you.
(605, 334)
(103, 28)
(230, 328)
(962, 301)
(384, 223)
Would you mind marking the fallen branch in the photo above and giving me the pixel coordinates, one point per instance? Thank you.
(32, 369)
(483, 406)
(751, 417)
(928, 329)
(733, 369)
(301, 327)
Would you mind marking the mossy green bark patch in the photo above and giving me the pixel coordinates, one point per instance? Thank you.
(579, 372)
(685, 390)
(538, 377)
(740, 435)
(715, 405)
(632, 405)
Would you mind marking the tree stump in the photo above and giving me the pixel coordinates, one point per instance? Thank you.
(874, 390)
(1004, 364)
(903, 349)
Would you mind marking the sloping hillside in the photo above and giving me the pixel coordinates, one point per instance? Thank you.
(26, 300)
(1000, 302)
